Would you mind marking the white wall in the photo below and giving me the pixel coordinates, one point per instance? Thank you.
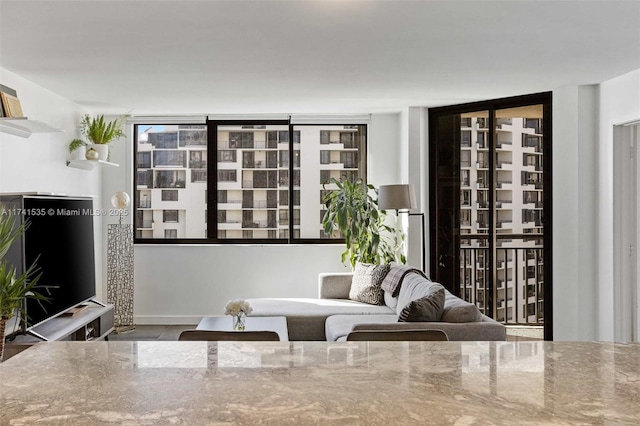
(180, 284)
(574, 212)
(619, 103)
(38, 164)
(583, 268)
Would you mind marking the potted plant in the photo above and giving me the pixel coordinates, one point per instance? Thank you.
(100, 133)
(14, 287)
(77, 149)
(352, 210)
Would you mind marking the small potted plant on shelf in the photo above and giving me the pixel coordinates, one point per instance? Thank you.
(100, 133)
(14, 287)
(352, 211)
(77, 149)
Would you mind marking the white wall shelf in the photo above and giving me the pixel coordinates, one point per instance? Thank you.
(89, 164)
(23, 127)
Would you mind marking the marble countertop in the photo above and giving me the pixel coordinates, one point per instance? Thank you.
(372, 383)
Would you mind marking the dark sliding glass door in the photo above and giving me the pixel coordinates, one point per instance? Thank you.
(490, 177)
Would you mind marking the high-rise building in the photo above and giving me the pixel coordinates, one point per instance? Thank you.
(516, 293)
(263, 190)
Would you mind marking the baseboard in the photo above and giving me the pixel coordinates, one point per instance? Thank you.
(166, 319)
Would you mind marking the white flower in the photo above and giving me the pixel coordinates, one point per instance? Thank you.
(237, 306)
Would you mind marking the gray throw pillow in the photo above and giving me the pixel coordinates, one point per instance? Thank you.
(415, 287)
(427, 308)
(458, 310)
(366, 283)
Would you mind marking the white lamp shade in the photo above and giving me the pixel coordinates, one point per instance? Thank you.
(396, 197)
(120, 200)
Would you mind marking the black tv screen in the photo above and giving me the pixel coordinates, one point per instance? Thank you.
(60, 240)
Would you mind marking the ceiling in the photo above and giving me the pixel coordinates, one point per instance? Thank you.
(239, 57)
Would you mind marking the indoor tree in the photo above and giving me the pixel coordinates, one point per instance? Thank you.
(352, 210)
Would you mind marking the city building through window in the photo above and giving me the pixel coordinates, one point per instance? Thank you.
(490, 206)
(267, 178)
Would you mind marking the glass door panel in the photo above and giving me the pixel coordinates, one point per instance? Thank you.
(490, 242)
(518, 192)
(474, 208)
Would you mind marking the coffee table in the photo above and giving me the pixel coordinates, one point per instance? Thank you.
(277, 324)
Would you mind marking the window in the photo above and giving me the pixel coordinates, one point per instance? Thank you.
(166, 140)
(144, 178)
(325, 157)
(144, 160)
(482, 140)
(170, 216)
(465, 138)
(465, 198)
(533, 123)
(192, 136)
(198, 159)
(199, 175)
(163, 158)
(169, 178)
(465, 158)
(324, 137)
(264, 175)
(227, 176)
(464, 178)
(169, 195)
(227, 156)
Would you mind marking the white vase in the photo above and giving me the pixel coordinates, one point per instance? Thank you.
(238, 322)
(78, 153)
(102, 149)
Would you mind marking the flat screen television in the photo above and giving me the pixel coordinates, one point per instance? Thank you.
(60, 240)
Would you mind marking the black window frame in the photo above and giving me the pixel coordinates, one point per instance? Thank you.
(491, 123)
(213, 232)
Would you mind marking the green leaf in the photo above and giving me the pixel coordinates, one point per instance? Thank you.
(14, 287)
(353, 211)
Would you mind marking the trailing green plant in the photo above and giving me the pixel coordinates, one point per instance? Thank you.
(353, 212)
(99, 131)
(75, 144)
(15, 287)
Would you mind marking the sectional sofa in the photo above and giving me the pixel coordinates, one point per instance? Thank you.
(333, 315)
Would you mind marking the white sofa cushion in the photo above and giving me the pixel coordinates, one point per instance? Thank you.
(390, 301)
(306, 316)
(312, 307)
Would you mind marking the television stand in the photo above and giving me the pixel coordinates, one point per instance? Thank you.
(93, 323)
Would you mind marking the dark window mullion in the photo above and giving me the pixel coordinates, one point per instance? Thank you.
(212, 181)
(291, 184)
(492, 212)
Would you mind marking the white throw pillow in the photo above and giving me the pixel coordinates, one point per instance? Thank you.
(366, 281)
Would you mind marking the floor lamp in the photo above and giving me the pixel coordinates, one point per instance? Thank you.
(402, 199)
